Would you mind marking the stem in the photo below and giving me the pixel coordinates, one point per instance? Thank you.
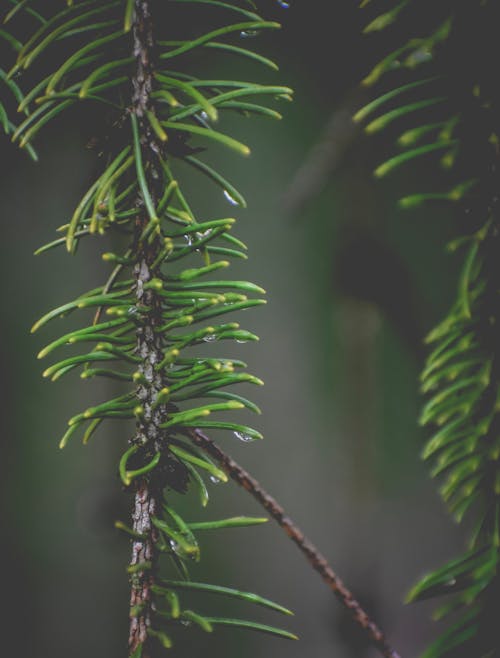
(313, 556)
(149, 348)
(143, 552)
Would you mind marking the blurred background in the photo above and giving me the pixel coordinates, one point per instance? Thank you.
(353, 285)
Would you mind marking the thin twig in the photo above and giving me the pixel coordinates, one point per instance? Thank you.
(314, 557)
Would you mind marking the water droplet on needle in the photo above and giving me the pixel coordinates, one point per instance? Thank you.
(230, 198)
(246, 438)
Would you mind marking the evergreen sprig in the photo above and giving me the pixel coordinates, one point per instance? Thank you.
(442, 80)
(160, 298)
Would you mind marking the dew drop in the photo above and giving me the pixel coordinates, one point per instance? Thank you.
(204, 115)
(214, 480)
(248, 34)
(132, 310)
(242, 342)
(231, 199)
(246, 438)
(210, 338)
(283, 4)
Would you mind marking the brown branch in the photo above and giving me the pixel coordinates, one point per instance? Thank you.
(148, 437)
(143, 555)
(313, 556)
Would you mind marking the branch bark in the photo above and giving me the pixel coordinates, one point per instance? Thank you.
(313, 556)
(144, 559)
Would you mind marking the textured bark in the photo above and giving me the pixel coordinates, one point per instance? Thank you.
(314, 557)
(143, 553)
(148, 432)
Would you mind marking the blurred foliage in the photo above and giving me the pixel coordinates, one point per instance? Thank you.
(442, 92)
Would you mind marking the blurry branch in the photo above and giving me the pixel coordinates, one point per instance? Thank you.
(390, 286)
(441, 67)
(325, 156)
(313, 556)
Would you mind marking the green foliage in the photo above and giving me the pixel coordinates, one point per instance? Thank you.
(449, 91)
(159, 301)
(8, 126)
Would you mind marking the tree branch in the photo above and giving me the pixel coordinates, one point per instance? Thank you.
(144, 560)
(313, 556)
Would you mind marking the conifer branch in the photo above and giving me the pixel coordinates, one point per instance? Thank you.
(157, 312)
(318, 562)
